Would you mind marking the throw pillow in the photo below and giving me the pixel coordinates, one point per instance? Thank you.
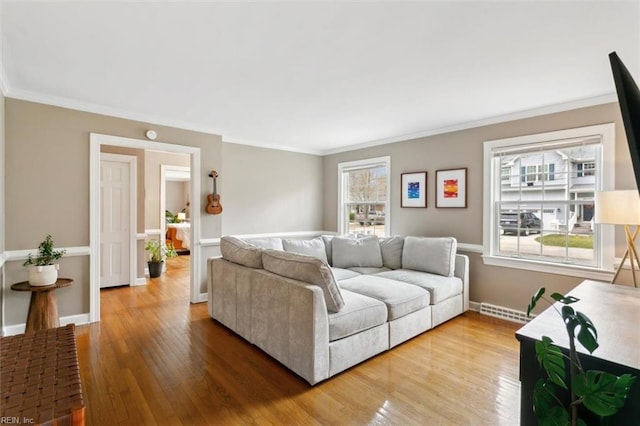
(434, 255)
(391, 248)
(306, 269)
(352, 252)
(314, 247)
(238, 251)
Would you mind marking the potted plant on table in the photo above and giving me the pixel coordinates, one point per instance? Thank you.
(157, 254)
(600, 392)
(42, 268)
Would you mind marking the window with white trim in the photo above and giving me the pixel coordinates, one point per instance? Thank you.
(539, 198)
(363, 194)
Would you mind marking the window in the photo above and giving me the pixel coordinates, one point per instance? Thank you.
(586, 169)
(540, 200)
(363, 192)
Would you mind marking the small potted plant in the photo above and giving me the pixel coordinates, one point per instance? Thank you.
(157, 254)
(42, 269)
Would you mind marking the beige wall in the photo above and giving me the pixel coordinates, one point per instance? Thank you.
(154, 160)
(176, 196)
(47, 189)
(266, 190)
(262, 191)
(501, 286)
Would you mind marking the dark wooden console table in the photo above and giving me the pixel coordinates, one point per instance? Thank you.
(43, 307)
(615, 311)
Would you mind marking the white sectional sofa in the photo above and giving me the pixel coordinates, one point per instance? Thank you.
(322, 305)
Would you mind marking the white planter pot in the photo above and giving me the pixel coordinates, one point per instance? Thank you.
(43, 275)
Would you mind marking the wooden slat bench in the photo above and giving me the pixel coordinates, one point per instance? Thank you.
(40, 378)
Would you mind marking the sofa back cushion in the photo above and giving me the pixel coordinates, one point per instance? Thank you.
(391, 248)
(434, 255)
(308, 269)
(314, 247)
(238, 251)
(326, 239)
(274, 243)
(356, 252)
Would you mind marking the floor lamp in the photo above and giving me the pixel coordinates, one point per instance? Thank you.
(621, 208)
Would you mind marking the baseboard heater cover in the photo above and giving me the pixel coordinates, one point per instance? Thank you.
(504, 313)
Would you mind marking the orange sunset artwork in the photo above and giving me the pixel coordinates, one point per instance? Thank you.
(450, 188)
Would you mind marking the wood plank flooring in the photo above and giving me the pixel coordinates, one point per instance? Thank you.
(156, 359)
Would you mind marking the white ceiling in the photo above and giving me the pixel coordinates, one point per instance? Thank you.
(317, 77)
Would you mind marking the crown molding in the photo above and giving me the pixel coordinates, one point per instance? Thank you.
(120, 113)
(74, 104)
(551, 109)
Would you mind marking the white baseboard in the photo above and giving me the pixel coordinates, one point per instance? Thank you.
(79, 319)
(139, 282)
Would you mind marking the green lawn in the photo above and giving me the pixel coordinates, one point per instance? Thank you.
(559, 240)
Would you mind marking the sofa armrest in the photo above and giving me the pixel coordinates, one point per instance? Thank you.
(210, 265)
(229, 286)
(290, 322)
(462, 271)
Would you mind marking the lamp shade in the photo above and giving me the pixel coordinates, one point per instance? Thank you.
(617, 207)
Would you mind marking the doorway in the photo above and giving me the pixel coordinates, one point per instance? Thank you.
(96, 142)
(175, 206)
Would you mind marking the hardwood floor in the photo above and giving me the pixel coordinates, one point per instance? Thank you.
(156, 359)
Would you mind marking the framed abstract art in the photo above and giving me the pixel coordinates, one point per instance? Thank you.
(451, 188)
(414, 189)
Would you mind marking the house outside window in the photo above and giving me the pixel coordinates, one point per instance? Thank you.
(586, 169)
(541, 210)
(363, 192)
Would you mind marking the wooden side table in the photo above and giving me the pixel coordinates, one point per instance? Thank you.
(43, 307)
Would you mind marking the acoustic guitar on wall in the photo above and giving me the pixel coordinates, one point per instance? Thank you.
(213, 200)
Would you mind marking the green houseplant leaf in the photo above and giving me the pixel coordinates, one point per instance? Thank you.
(556, 416)
(601, 392)
(534, 300)
(550, 358)
(47, 255)
(587, 333)
(567, 300)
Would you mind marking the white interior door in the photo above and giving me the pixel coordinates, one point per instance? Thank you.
(115, 232)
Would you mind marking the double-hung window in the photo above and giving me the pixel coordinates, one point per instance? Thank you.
(363, 194)
(539, 200)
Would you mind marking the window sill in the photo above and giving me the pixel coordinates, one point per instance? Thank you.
(548, 268)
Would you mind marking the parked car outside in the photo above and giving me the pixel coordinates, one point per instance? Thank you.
(528, 223)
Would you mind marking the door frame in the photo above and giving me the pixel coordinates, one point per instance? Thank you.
(133, 210)
(96, 140)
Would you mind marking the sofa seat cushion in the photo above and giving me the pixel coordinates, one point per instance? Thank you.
(401, 298)
(441, 288)
(343, 274)
(358, 314)
(307, 269)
